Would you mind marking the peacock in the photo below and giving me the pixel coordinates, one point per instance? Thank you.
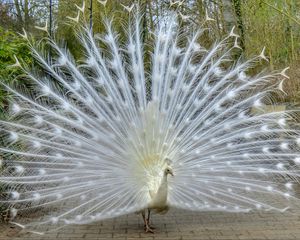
(114, 133)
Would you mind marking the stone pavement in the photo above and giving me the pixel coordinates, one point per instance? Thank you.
(179, 224)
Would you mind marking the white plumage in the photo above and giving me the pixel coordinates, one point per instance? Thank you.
(99, 139)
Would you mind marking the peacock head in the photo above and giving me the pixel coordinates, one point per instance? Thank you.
(168, 170)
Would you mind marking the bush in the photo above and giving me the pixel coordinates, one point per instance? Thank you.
(11, 45)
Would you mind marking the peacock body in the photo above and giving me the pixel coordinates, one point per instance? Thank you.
(100, 138)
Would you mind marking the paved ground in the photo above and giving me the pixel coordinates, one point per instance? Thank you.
(178, 224)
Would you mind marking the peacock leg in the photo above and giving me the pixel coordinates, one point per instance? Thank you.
(144, 218)
(147, 223)
(148, 218)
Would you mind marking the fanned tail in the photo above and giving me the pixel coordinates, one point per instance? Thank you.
(92, 140)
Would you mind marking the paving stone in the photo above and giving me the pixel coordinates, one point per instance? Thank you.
(178, 225)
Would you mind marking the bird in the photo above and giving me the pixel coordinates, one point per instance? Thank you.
(111, 135)
(158, 199)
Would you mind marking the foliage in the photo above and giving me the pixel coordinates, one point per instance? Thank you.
(268, 27)
(274, 24)
(23, 14)
(11, 46)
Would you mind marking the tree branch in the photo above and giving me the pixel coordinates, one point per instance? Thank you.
(282, 12)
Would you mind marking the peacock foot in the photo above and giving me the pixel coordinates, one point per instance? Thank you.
(148, 229)
(153, 228)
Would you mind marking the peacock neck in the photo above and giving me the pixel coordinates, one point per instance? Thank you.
(164, 180)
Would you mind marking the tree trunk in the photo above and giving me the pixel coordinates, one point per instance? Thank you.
(18, 7)
(26, 15)
(228, 15)
(239, 20)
